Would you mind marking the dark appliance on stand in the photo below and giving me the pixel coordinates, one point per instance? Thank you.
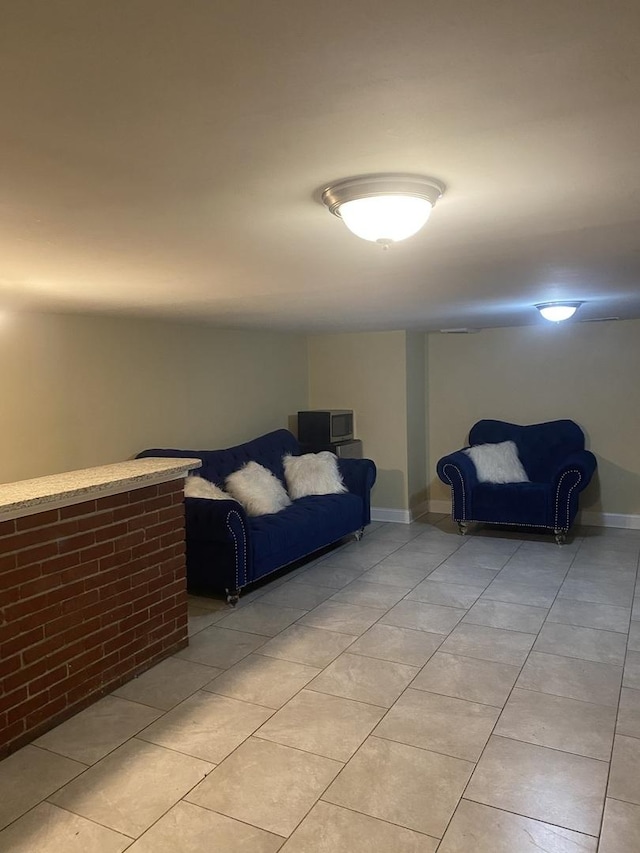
(329, 429)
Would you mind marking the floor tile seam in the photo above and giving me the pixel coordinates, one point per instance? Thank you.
(615, 732)
(162, 712)
(318, 797)
(430, 750)
(527, 817)
(243, 821)
(273, 742)
(384, 708)
(465, 621)
(606, 761)
(369, 606)
(560, 696)
(450, 696)
(381, 819)
(491, 734)
(431, 603)
(575, 625)
(537, 820)
(69, 811)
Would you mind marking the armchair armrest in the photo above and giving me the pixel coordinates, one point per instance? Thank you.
(581, 461)
(225, 524)
(459, 472)
(567, 482)
(359, 476)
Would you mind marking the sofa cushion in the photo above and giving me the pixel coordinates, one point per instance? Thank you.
(198, 487)
(258, 490)
(497, 463)
(308, 524)
(312, 474)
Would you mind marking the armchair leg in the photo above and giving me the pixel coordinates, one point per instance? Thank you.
(463, 527)
(232, 596)
(560, 535)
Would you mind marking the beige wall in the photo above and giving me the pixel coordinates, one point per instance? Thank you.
(366, 372)
(416, 420)
(78, 391)
(589, 372)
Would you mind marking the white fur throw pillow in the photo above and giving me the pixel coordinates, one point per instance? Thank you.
(258, 490)
(198, 487)
(312, 474)
(497, 463)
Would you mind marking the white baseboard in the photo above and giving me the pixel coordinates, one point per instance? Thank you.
(383, 513)
(609, 519)
(592, 519)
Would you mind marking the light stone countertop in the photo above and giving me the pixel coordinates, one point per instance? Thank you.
(27, 497)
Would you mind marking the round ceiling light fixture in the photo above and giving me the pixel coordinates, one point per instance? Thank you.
(556, 312)
(383, 208)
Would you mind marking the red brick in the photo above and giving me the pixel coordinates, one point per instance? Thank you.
(141, 522)
(123, 543)
(7, 528)
(40, 585)
(25, 674)
(81, 601)
(111, 589)
(114, 560)
(44, 682)
(172, 513)
(145, 549)
(74, 510)
(7, 562)
(171, 487)
(137, 495)
(61, 562)
(45, 712)
(36, 555)
(111, 532)
(37, 609)
(76, 543)
(9, 665)
(39, 519)
(19, 576)
(96, 552)
(8, 596)
(96, 521)
(22, 641)
(112, 501)
(176, 536)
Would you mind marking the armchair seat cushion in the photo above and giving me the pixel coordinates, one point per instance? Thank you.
(515, 503)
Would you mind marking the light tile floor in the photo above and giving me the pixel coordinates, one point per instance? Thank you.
(411, 693)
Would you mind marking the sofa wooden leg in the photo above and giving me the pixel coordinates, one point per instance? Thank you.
(463, 528)
(560, 535)
(232, 596)
(359, 534)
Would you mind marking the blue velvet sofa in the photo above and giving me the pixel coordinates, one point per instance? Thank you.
(226, 549)
(555, 461)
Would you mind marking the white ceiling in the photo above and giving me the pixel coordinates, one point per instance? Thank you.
(162, 157)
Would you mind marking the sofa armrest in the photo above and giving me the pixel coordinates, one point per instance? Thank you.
(359, 476)
(224, 523)
(459, 472)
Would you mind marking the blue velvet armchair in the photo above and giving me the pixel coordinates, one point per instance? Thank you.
(556, 463)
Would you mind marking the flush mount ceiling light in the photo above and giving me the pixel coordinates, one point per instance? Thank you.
(558, 311)
(383, 208)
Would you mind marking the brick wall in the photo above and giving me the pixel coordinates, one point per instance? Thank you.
(90, 595)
